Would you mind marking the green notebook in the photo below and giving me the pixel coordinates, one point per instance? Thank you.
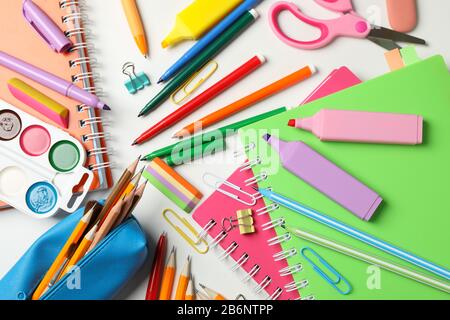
(414, 182)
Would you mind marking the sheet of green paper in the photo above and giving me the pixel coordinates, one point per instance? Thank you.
(413, 180)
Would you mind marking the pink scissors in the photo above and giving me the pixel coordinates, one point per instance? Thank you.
(349, 24)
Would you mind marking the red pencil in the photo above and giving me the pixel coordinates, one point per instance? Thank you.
(203, 98)
(154, 281)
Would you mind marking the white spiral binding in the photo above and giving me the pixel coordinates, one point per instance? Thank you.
(75, 18)
(296, 285)
(282, 238)
(285, 254)
(240, 262)
(291, 270)
(263, 284)
(276, 294)
(228, 251)
(252, 273)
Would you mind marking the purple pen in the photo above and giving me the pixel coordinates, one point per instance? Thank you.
(46, 27)
(325, 176)
(51, 81)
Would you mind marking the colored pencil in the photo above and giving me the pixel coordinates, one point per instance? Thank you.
(199, 101)
(248, 101)
(208, 38)
(127, 204)
(211, 51)
(117, 191)
(154, 280)
(220, 133)
(82, 249)
(136, 198)
(168, 278)
(211, 293)
(136, 26)
(107, 225)
(63, 255)
(190, 295)
(183, 280)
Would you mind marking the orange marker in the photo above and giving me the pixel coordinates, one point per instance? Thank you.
(212, 294)
(183, 281)
(248, 101)
(168, 278)
(190, 295)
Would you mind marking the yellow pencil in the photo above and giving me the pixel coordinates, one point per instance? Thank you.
(183, 281)
(136, 26)
(190, 295)
(212, 294)
(168, 277)
(63, 255)
(81, 250)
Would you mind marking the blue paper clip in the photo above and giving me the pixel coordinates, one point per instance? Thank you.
(333, 282)
(135, 82)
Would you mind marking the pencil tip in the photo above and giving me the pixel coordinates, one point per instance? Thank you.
(106, 107)
(134, 143)
(160, 80)
(201, 285)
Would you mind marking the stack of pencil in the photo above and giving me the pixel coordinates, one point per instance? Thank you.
(162, 278)
(96, 223)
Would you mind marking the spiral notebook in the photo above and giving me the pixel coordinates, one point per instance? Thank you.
(19, 39)
(255, 252)
(413, 181)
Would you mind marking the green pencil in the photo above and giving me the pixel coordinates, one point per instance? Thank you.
(212, 50)
(186, 156)
(220, 133)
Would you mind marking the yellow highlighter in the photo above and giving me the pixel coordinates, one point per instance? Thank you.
(197, 19)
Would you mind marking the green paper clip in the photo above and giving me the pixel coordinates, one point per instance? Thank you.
(333, 282)
(136, 82)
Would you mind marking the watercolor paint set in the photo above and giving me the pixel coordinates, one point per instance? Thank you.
(41, 167)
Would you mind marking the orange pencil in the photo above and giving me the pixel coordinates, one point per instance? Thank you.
(212, 294)
(190, 295)
(81, 250)
(107, 225)
(168, 278)
(63, 255)
(247, 101)
(183, 281)
(117, 191)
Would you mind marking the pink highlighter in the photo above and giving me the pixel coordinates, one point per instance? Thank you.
(365, 127)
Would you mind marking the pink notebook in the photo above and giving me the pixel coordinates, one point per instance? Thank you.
(256, 245)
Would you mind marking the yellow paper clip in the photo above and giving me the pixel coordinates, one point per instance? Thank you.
(195, 240)
(188, 88)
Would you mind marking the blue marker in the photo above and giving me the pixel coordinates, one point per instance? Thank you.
(207, 39)
(354, 233)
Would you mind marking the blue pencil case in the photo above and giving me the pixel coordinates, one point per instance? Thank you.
(100, 274)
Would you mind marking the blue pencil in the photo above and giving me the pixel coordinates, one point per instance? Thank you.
(208, 38)
(355, 233)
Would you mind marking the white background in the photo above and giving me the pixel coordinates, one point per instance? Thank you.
(115, 46)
